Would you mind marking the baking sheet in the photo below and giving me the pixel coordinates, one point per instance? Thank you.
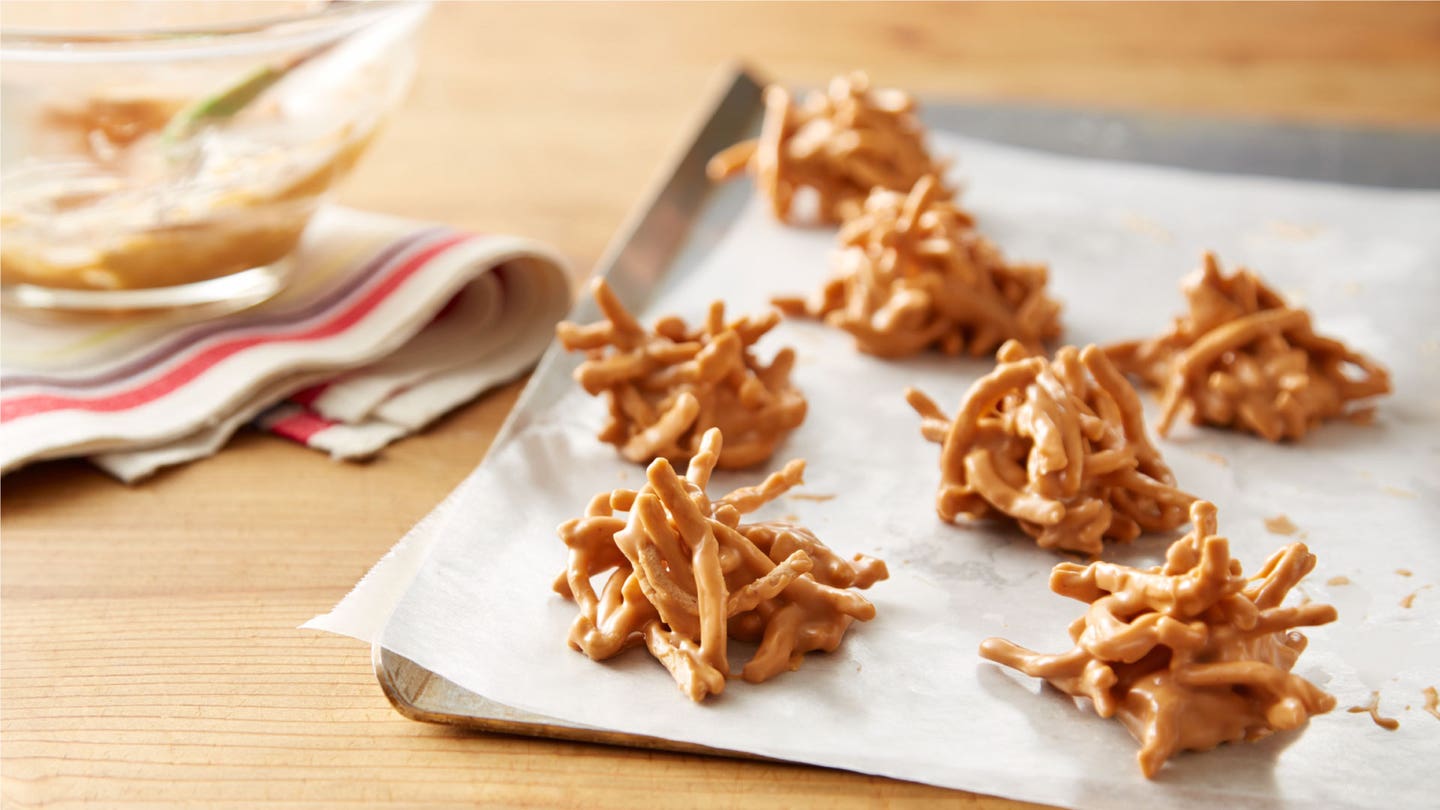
(906, 696)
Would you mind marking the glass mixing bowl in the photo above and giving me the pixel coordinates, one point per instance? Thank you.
(174, 156)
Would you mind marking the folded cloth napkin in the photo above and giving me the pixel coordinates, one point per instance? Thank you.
(386, 325)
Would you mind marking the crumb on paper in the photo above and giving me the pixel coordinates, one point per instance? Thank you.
(1292, 231)
(1404, 572)
(1408, 601)
(1147, 226)
(1214, 458)
(1399, 493)
(1432, 701)
(819, 497)
(1337, 581)
(1373, 709)
(790, 518)
(1361, 416)
(1280, 524)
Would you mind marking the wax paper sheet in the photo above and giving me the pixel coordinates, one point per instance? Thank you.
(906, 695)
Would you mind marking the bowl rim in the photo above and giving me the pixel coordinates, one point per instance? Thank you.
(332, 20)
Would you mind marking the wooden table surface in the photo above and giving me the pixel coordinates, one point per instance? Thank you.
(149, 654)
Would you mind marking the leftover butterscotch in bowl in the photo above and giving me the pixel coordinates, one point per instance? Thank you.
(175, 156)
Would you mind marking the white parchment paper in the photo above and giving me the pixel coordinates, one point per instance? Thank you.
(906, 695)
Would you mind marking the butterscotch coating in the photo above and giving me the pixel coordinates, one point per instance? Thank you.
(912, 274)
(1059, 446)
(668, 386)
(1243, 359)
(685, 575)
(1187, 655)
(841, 143)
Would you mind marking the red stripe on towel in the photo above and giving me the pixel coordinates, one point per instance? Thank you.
(299, 426)
(306, 397)
(208, 358)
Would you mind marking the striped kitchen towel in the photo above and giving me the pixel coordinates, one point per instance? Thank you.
(387, 325)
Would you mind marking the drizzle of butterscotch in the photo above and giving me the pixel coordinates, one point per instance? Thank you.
(1408, 601)
(1373, 709)
(810, 496)
(1432, 701)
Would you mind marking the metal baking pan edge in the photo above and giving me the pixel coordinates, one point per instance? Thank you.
(634, 262)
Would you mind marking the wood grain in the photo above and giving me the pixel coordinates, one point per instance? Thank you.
(148, 656)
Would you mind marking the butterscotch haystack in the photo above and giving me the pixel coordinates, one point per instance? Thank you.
(1059, 446)
(911, 274)
(1241, 358)
(686, 575)
(841, 143)
(668, 386)
(1189, 654)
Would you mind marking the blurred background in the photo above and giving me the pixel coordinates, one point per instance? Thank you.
(548, 118)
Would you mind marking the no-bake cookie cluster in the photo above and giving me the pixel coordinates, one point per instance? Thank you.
(1242, 358)
(838, 144)
(683, 574)
(913, 274)
(1189, 654)
(667, 386)
(1057, 445)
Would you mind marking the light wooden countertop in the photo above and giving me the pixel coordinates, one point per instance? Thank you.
(149, 654)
